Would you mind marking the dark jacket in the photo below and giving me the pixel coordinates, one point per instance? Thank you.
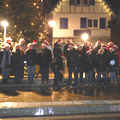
(31, 57)
(57, 50)
(100, 62)
(84, 50)
(112, 58)
(57, 63)
(44, 58)
(17, 59)
(88, 63)
(80, 58)
(97, 48)
(65, 51)
(72, 58)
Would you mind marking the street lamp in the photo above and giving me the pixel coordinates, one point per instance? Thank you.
(52, 24)
(85, 36)
(4, 24)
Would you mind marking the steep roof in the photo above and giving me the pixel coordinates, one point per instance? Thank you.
(113, 4)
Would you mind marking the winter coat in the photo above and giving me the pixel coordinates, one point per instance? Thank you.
(112, 58)
(72, 58)
(88, 63)
(57, 63)
(118, 53)
(18, 59)
(31, 57)
(44, 58)
(100, 62)
(80, 57)
(65, 51)
(57, 50)
(84, 50)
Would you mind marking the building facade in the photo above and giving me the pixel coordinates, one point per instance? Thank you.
(75, 17)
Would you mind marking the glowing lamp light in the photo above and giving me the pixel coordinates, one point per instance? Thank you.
(4, 23)
(85, 36)
(52, 23)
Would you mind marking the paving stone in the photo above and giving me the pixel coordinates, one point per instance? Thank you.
(98, 102)
(78, 102)
(57, 103)
(107, 101)
(46, 103)
(67, 102)
(88, 102)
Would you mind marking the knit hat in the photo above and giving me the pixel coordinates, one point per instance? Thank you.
(22, 39)
(47, 41)
(6, 45)
(45, 44)
(115, 46)
(78, 46)
(110, 42)
(88, 50)
(104, 46)
(59, 41)
(71, 45)
(99, 41)
(8, 38)
(17, 45)
(29, 44)
(112, 48)
(69, 39)
(100, 50)
(34, 41)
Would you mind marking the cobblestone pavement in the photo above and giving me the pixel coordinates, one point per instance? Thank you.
(40, 94)
(74, 117)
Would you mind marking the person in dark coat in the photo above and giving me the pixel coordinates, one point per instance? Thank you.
(88, 67)
(85, 46)
(65, 51)
(98, 45)
(80, 57)
(57, 68)
(112, 65)
(72, 65)
(57, 48)
(31, 60)
(101, 66)
(5, 62)
(44, 59)
(17, 63)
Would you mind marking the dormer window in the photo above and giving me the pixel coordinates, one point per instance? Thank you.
(82, 2)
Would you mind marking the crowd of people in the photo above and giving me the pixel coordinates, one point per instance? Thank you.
(100, 59)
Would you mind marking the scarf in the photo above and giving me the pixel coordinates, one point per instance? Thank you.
(4, 58)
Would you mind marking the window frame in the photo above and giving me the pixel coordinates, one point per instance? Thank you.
(82, 3)
(60, 23)
(85, 4)
(93, 23)
(78, 4)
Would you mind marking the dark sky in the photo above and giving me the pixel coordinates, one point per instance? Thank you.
(114, 4)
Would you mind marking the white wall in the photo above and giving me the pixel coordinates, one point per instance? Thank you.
(74, 13)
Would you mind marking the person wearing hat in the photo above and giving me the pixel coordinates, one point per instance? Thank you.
(8, 40)
(35, 47)
(112, 66)
(49, 46)
(17, 63)
(44, 58)
(101, 66)
(80, 61)
(85, 46)
(110, 44)
(57, 48)
(72, 64)
(65, 51)
(23, 46)
(88, 66)
(97, 45)
(5, 62)
(31, 61)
